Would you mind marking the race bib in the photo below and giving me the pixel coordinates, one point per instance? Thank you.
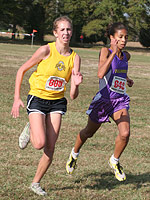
(55, 83)
(118, 85)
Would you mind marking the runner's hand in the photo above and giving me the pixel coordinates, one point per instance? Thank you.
(15, 108)
(77, 77)
(113, 44)
(130, 82)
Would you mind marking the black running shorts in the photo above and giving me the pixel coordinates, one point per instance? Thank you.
(43, 106)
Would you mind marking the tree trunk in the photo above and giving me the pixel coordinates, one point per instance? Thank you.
(73, 39)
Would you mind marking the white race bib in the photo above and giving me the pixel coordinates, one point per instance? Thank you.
(55, 83)
(118, 85)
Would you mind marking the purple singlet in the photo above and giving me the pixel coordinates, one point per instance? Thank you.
(111, 96)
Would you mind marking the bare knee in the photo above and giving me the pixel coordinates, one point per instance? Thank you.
(89, 130)
(38, 144)
(86, 133)
(38, 140)
(125, 135)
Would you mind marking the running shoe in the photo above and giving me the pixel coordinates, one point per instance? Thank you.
(71, 164)
(24, 137)
(118, 171)
(36, 188)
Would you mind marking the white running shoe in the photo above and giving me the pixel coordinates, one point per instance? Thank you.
(118, 171)
(35, 187)
(71, 164)
(24, 137)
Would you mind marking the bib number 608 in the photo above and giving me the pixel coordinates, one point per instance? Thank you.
(55, 83)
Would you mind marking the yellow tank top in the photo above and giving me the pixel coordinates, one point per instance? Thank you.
(52, 74)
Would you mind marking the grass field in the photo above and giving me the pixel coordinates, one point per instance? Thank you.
(93, 178)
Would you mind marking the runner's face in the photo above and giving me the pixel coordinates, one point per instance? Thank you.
(121, 36)
(64, 31)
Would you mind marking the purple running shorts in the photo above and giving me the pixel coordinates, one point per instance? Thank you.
(101, 109)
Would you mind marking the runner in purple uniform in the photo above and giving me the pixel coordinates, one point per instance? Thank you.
(110, 101)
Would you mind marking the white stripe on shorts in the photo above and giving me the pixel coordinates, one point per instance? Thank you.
(38, 111)
(33, 110)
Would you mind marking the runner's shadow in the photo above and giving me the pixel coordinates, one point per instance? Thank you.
(102, 181)
(107, 180)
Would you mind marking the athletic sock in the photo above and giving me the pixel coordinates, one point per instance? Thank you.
(35, 184)
(74, 155)
(114, 160)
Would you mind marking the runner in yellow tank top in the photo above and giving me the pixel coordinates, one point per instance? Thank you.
(46, 103)
(50, 78)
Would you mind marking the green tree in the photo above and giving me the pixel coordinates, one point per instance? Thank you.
(12, 13)
(138, 12)
(30, 14)
(40, 15)
(2, 15)
(144, 37)
(134, 13)
(144, 34)
(78, 11)
(103, 13)
(90, 17)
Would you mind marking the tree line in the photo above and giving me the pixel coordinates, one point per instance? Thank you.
(90, 17)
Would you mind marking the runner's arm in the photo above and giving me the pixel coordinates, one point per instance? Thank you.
(76, 78)
(106, 58)
(39, 55)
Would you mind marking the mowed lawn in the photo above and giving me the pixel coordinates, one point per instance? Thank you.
(93, 179)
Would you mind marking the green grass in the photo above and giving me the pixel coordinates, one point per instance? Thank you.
(93, 178)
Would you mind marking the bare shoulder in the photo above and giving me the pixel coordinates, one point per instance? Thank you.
(44, 50)
(104, 52)
(77, 57)
(77, 62)
(127, 55)
(41, 53)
